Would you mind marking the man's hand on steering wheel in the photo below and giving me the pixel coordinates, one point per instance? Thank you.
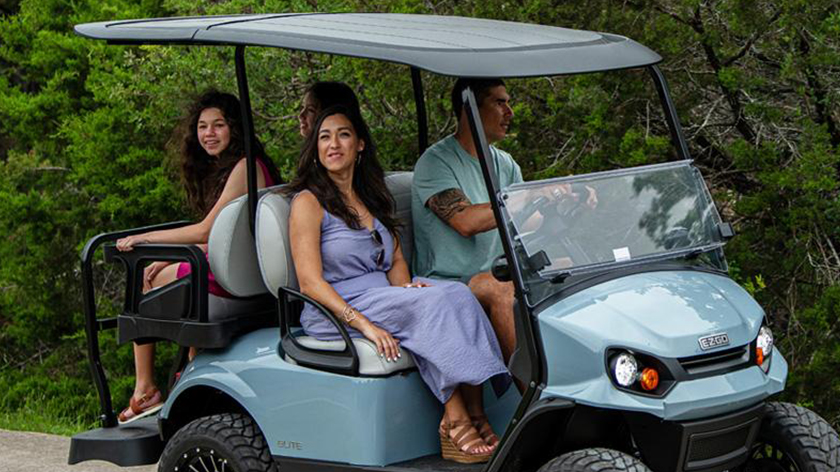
(565, 192)
(592, 200)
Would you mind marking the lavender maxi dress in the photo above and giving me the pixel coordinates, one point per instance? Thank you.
(443, 325)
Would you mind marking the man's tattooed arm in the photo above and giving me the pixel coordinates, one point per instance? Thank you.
(448, 203)
(454, 208)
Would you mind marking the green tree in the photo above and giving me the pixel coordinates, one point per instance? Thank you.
(85, 141)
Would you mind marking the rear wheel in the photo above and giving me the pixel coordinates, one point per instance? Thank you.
(794, 439)
(229, 442)
(595, 460)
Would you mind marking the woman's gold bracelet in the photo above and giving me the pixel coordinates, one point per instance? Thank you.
(349, 313)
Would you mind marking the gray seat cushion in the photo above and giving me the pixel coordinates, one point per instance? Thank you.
(272, 236)
(223, 308)
(231, 251)
(399, 183)
(370, 364)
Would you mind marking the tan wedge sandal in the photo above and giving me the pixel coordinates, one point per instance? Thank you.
(482, 425)
(463, 447)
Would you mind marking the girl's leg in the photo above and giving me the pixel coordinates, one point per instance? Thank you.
(144, 354)
(166, 275)
(169, 274)
(144, 369)
(456, 422)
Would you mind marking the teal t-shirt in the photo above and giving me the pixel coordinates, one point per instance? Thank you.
(439, 251)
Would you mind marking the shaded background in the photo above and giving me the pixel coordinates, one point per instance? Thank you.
(85, 130)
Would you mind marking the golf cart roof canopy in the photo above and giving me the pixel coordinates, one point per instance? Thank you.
(447, 45)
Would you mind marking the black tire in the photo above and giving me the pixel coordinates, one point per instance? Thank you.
(794, 439)
(595, 460)
(205, 444)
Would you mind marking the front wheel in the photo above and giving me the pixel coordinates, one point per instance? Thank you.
(794, 439)
(229, 442)
(595, 460)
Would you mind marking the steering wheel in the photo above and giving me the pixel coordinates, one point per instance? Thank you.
(536, 205)
(569, 204)
(557, 213)
(563, 205)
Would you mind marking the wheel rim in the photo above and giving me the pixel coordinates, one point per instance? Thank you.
(198, 459)
(768, 457)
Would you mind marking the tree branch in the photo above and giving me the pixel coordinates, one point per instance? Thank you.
(732, 98)
(818, 92)
(753, 38)
(712, 158)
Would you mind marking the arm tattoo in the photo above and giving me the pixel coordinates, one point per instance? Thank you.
(447, 203)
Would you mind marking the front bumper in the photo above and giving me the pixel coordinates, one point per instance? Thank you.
(709, 445)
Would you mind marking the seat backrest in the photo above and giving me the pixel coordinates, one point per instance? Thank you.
(399, 183)
(272, 235)
(231, 251)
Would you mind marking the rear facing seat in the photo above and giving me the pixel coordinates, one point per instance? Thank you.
(275, 261)
(166, 313)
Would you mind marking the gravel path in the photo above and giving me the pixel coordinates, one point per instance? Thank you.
(37, 452)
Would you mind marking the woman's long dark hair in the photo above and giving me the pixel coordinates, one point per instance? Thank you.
(368, 177)
(203, 175)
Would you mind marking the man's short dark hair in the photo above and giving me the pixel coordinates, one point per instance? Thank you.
(480, 87)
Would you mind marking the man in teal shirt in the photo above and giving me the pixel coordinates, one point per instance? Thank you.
(455, 233)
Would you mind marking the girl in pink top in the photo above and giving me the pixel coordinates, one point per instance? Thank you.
(213, 171)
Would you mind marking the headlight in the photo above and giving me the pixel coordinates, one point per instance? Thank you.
(638, 372)
(764, 348)
(625, 369)
(765, 341)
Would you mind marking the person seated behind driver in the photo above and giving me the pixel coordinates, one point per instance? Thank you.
(345, 245)
(320, 96)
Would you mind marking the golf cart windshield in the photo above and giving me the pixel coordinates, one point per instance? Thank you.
(580, 224)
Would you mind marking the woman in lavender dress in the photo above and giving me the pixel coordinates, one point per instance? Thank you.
(347, 256)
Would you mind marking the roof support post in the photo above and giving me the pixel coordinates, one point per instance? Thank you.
(420, 106)
(526, 354)
(671, 116)
(248, 134)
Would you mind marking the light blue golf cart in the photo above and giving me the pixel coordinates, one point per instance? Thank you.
(635, 350)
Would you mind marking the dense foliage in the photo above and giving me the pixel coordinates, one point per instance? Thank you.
(85, 131)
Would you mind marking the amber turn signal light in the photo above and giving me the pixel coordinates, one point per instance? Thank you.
(759, 356)
(649, 379)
